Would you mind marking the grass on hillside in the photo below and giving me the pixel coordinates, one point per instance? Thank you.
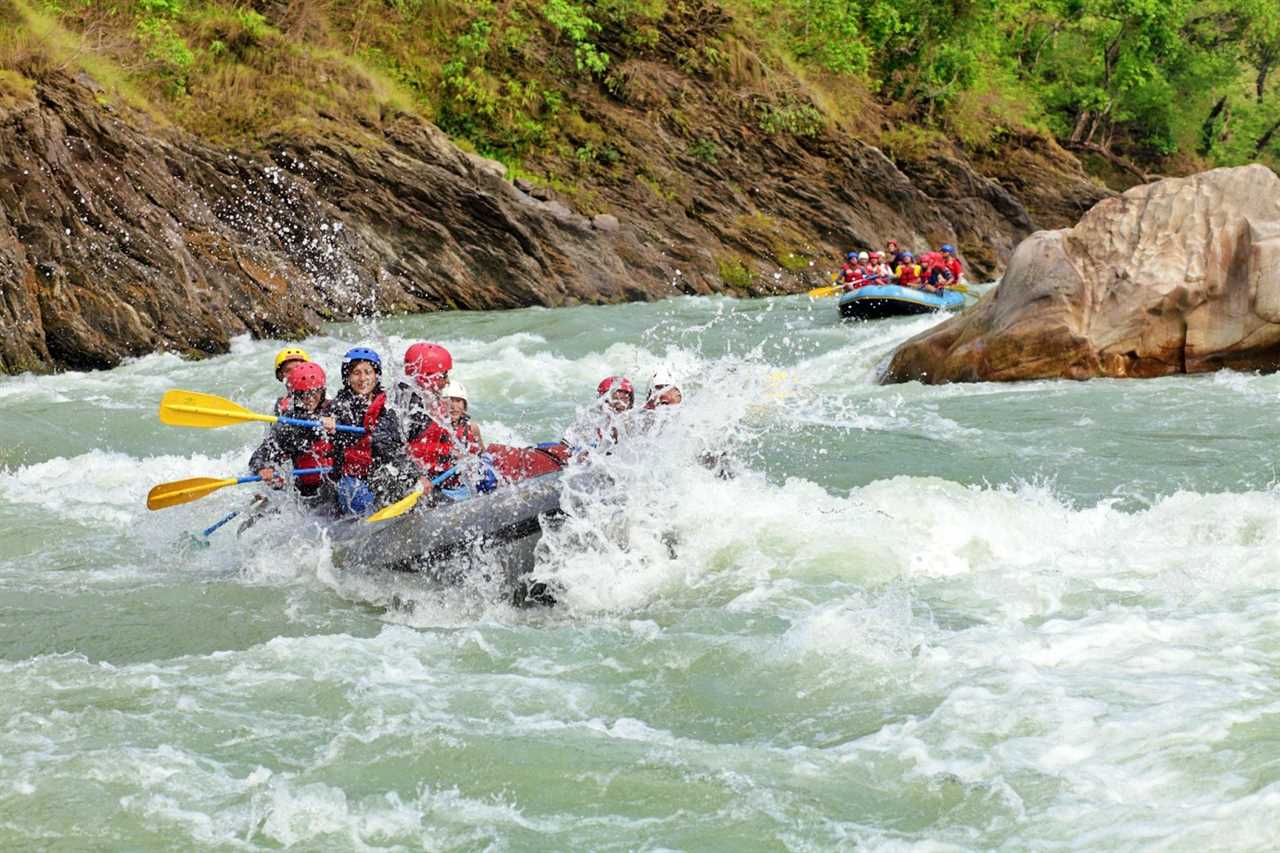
(506, 81)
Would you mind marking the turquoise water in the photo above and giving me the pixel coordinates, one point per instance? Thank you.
(1037, 616)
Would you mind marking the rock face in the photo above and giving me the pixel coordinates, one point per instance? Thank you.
(1178, 276)
(119, 237)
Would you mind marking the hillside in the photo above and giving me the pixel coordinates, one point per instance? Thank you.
(645, 148)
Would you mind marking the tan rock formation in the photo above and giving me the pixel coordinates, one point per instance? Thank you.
(1178, 276)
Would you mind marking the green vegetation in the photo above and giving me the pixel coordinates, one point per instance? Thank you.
(705, 150)
(734, 273)
(1142, 85)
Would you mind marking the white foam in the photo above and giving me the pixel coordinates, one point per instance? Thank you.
(102, 485)
(955, 665)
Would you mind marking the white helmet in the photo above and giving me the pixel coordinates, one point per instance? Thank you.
(455, 389)
(662, 378)
(863, 256)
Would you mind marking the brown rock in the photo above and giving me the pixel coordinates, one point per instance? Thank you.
(1178, 276)
(118, 238)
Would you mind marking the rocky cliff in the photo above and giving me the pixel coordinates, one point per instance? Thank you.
(1177, 276)
(119, 237)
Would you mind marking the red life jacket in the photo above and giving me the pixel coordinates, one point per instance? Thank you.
(908, 274)
(320, 455)
(358, 458)
(462, 431)
(521, 463)
(432, 449)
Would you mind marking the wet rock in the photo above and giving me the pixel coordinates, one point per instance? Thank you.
(605, 222)
(489, 167)
(1178, 276)
(118, 238)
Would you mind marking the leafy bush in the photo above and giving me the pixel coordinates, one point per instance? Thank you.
(798, 119)
(168, 50)
(572, 20)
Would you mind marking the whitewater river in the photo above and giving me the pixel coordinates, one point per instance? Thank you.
(1041, 616)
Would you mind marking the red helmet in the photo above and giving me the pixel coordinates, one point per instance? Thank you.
(426, 359)
(615, 383)
(307, 376)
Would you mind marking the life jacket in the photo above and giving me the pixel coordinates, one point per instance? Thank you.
(936, 272)
(462, 432)
(318, 455)
(521, 463)
(432, 449)
(957, 268)
(358, 458)
(908, 274)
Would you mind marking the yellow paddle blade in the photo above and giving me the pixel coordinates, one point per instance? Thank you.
(819, 292)
(962, 287)
(166, 495)
(207, 411)
(400, 507)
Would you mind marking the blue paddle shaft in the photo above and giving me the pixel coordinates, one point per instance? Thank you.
(299, 422)
(213, 527)
(297, 472)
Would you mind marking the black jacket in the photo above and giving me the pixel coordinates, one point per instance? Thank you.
(284, 443)
(392, 474)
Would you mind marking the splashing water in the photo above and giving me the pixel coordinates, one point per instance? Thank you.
(812, 613)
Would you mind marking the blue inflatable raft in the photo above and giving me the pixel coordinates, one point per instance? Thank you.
(874, 301)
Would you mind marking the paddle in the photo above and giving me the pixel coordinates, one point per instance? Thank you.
(819, 292)
(212, 528)
(409, 501)
(166, 495)
(208, 411)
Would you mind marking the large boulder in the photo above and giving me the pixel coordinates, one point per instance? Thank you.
(1178, 276)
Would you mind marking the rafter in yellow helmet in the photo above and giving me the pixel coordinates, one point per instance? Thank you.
(290, 354)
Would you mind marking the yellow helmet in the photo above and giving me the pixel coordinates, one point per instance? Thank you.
(290, 354)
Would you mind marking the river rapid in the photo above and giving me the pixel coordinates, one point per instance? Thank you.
(1041, 616)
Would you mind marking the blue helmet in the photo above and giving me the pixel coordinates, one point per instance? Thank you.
(948, 248)
(852, 256)
(360, 354)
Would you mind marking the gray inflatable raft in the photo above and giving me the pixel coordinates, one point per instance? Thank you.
(494, 533)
